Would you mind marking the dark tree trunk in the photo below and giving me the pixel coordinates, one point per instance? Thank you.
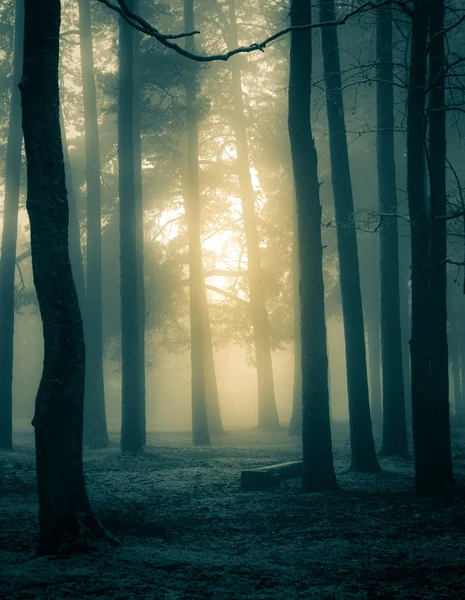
(372, 317)
(362, 444)
(419, 342)
(438, 268)
(74, 230)
(133, 408)
(215, 423)
(67, 521)
(404, 288)
(267, 411)
(140, 226)
(200, 433)
(454, 347)
(95, 425)
(427, 478)
(9, 238)
(316, 431)
(394, 424)
(295, 425)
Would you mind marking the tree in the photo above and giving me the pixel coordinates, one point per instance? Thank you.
(133, 407)
(371, 304)
(139, 197)
(267, 411)
(454, 346)
(362, 444)
(95, 426)
(316, 433)
(9, 238)
(67, 521)
(437, 154)
(200, 433)
(74, 230)
(394, 425)
(432, 465)
(295, 425)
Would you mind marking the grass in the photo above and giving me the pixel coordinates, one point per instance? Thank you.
(189, 532)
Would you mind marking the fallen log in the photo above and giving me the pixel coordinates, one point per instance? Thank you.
(265, 477)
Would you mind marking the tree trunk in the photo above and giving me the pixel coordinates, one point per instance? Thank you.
(67, 521)
(394, 424)
(362, 444)
(9, 238)
(200, 433)
(372, 316)
(404, 288)
(438, 268)
(215, 423)
(426, 477)
(140, 226)
(267, 412)
(74, 230)
(454, 348)
(95, 425)
(133, 408)
(295, 426)
(316, 431)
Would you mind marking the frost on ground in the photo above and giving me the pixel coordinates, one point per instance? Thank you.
(188, 532)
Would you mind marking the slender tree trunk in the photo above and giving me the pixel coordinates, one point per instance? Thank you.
(438, 268)
(133, 409)
(422, 413)
(454, 348)
(140, 226)
(404, 287)
(74, 230)
(394, 423)
(363, 447)
(200, 433)
(267, 411)
(95, 425)
(316, 432)
(9, 238)
(295, 426)
(67, 521)
(215, 423)
(372, 315)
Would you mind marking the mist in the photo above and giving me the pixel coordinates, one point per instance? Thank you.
(232, 344)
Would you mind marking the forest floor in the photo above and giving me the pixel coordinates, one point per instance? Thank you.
(188, 532)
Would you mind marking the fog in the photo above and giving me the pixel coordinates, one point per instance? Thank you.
(168, 384)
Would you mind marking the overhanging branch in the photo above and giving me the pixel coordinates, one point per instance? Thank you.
(137, 22)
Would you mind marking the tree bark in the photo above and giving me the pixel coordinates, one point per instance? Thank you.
(404, 288)
(95, 425)
(428, 477)
(9, 238)
(133, 407)
(362, 443)
(267, 412)
(200, 433)
(443, 473)
(394, 424)
(67, 521)
(74, 230)
(139, 196)
(454, 348)
(215, 423)
(372, 317)
(295, 425)
(316, 431)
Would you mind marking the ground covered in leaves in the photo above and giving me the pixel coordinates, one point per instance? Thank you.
(187, 531)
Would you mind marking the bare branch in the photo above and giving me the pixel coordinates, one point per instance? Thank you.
(137, 22)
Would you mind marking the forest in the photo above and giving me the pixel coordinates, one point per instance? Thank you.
(232, 299)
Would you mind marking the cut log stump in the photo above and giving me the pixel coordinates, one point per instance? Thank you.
(266, 477)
